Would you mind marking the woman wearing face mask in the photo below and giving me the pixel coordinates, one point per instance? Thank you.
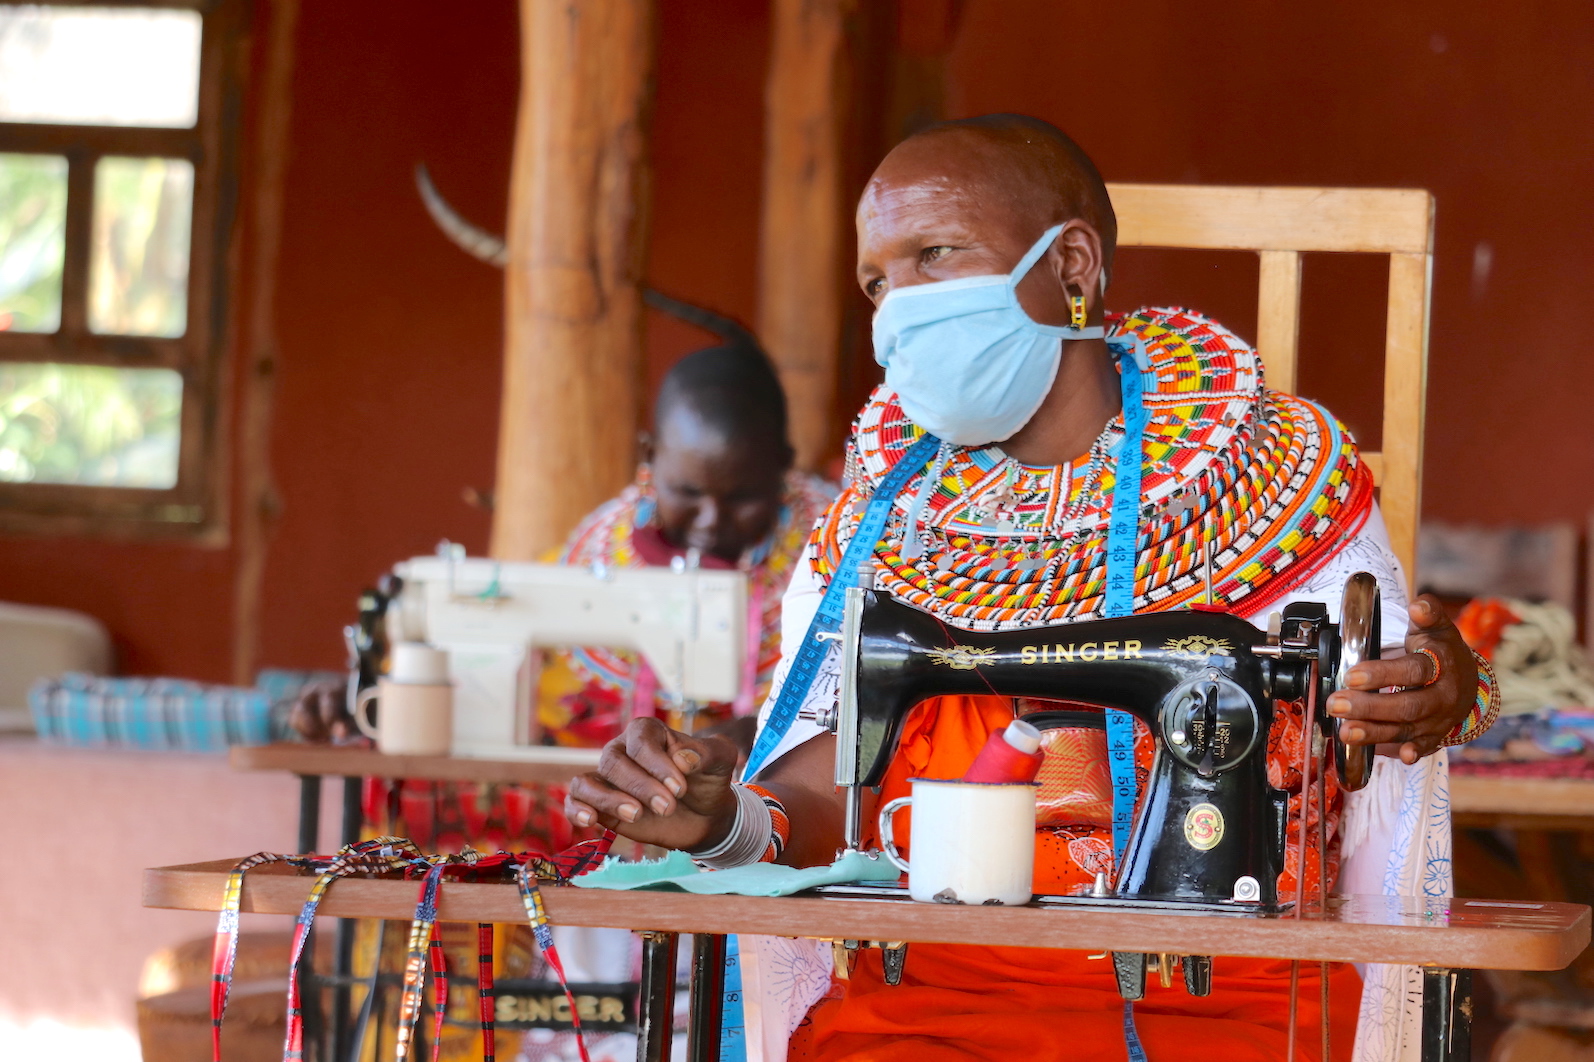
(1029, 462)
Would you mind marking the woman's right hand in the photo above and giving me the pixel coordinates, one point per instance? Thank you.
(321, 713)
(659, 786)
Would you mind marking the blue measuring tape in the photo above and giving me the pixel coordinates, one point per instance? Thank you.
(811, 654)
(733, 1019)
(800, 679)
(1123, 555)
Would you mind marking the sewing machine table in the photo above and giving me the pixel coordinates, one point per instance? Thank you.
(1449, 938)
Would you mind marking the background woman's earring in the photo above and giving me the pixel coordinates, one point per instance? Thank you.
(1076, 313)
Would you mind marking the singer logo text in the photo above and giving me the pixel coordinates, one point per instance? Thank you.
(1129, 649)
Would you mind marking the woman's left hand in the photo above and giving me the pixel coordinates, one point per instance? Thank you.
(1412, 721)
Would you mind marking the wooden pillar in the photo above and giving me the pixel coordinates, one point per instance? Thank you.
(573, 312)
(256, 335)
(805, 243)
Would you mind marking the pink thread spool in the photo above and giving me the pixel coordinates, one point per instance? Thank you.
(1011, 754)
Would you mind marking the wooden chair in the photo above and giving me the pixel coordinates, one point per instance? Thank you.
(1281, 223)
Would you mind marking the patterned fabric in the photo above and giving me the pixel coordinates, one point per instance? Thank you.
(588, 694)
(1406, 812)
(78, 709)
(1075, 787)
(1274, 480)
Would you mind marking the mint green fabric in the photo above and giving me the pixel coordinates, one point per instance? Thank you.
(677, 873)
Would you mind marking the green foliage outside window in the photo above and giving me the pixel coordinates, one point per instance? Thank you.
(89, 424)
(32, 241)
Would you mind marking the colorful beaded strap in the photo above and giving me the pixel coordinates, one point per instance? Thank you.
(423, 939)
(389, 855)
(381, 853)
(224, 953)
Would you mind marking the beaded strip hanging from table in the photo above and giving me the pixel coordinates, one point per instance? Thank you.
(395, 855)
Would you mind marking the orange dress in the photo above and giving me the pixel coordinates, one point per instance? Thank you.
(997, 1004)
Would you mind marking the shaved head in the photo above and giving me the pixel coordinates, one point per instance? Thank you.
(1034, 167)
(969, 197)
(719, 452)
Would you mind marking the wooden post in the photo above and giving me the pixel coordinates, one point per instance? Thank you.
(805, 240)
(573, 312)
(256, 339)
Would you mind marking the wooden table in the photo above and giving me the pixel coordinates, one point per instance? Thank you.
(552, 766)
(1449, 938)
(1522, 803)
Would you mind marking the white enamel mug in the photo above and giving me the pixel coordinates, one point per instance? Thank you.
(971, 842)
(415, 720)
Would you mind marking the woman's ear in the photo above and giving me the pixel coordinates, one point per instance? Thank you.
(1082, 267)
(644, 447)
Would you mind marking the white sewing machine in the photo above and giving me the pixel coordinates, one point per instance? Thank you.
(690, 625)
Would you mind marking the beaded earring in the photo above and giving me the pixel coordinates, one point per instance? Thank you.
(647, 506)
(1076, 311)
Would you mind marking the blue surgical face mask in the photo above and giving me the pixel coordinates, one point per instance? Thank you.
(965, 360)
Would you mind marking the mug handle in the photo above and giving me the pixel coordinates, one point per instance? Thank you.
(366, 696)
(888, 842)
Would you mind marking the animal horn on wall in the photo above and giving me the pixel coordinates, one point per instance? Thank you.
(474, 241)
(481, 244)
(731, 331)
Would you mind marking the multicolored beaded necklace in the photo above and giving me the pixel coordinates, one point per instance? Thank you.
(1270, 484)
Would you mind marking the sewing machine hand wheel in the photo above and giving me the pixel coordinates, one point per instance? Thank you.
(1360, 636)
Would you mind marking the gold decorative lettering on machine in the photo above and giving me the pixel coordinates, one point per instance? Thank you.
(962, 657)
(1129, 649)
(1197, 647)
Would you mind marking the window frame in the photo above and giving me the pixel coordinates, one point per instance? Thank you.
(196, 506)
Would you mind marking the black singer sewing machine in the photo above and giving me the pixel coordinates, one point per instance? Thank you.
(1210, 831)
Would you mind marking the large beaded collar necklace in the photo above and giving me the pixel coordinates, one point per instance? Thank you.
(1266, 484)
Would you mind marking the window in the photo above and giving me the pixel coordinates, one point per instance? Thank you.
(117, 172)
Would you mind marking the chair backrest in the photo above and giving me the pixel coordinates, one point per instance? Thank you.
(1279, 224)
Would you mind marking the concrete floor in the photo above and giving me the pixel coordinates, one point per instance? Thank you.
(77, 826)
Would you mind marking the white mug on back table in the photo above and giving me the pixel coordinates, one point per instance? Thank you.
(417, 703)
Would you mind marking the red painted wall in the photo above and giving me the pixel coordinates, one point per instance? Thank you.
(386, 405)
(1490, 107)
